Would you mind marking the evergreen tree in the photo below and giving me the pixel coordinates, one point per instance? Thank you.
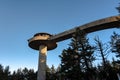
(32, 75)
(19, 74)
(102, 50)
(115, 44)
(78, 58)
(25, 73)
(14, 76)
(47, 72)
(6, 73)
(1, 72)
(70, 65)
(51, 73)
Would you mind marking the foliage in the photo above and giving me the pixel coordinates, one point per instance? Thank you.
(51, 73)
(102, 50)
(78, 58)
(26, 74)
(115, 44)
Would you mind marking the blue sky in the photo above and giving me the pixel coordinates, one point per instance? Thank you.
(21, 19)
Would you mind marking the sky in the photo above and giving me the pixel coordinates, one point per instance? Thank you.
(21, 19)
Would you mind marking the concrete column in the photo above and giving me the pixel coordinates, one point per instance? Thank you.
(42, 63)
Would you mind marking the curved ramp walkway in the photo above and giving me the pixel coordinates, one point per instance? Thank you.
(106, 23)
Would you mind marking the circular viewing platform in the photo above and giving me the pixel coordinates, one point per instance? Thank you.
(41, 39)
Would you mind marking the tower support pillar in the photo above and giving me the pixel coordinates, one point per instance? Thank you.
(42, 62)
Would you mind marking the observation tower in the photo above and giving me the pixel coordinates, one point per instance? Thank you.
(41, 43)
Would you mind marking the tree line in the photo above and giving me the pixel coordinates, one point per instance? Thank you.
(20, 74)
(25, 74)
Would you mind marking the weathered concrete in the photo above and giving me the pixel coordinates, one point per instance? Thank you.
(40, 42)
(40, 39)
(42, 63)
(106, 23)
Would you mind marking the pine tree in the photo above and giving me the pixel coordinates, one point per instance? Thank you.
(1, 72)
(70, 64)
(48, 72)
(78, 58)
(6, 73)
(115, 44)
(102, 50)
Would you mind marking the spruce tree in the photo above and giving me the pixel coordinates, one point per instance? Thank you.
(115, 44)
(76, 61)
(102, 50)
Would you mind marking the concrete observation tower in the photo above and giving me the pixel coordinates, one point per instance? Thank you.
(40, 42)
(45, 41)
